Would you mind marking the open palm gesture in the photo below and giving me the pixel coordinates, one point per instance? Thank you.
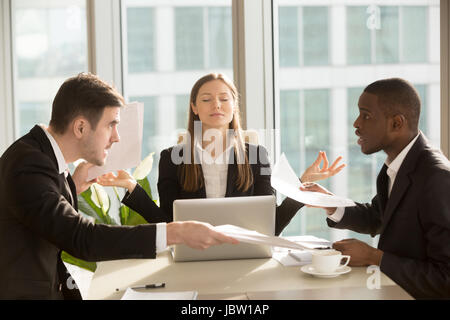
(315, 173)
(121, 179)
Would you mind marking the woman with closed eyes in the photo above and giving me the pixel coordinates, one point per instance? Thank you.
(213, 160)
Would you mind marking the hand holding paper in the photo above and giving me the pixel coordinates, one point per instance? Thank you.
(285, 180)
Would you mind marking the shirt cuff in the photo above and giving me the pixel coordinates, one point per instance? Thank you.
(337, 215)
(161, 237)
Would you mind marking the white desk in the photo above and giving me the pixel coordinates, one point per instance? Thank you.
(234, 279)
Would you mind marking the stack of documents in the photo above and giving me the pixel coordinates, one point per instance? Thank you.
(285, 181)
(131, 294)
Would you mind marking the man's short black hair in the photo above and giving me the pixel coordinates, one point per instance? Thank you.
(397, 96)
(85, 94)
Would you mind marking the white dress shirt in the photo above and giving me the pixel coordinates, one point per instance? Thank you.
(161, 229)
(62, 165)
(392, 170)
(215, 171)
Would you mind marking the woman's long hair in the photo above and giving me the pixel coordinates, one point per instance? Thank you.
(191, 177)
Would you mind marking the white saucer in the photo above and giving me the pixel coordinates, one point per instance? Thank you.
(309, 269)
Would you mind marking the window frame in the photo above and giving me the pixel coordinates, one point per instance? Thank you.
(445, 76)
(255, 18)
(7, 125)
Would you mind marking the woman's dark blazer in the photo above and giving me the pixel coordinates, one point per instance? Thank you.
(170, 189)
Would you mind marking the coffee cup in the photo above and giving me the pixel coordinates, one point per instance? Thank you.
(328, 261)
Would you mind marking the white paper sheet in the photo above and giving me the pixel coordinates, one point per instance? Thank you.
(147, 294)
(285, 181)
(293, 258)
(249, 236)
(126, 153)
(310, 241)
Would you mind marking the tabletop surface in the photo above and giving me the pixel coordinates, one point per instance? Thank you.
(235, 279)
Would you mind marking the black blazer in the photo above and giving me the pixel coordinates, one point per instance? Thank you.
(170, 189)
(414, 227)
(39, 218)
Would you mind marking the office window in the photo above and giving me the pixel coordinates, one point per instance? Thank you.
(424, 112)
(220, 38)
(318, 95)
(189, 38)
(182, 111)
(289, 36)
(200, 44)
(315, 36)
(31, 113)
(304, 131)
(185, 40)
(303, 36)
(290, 112)
(316, 122)
(414, 27)
(387, 36)
(49, 45)
(141, 39)
(358, 36)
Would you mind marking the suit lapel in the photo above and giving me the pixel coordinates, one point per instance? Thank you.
(399, 189)
(73, 191)
(403, 180)
(46, 147)
(231, 178)
(69, 189)
(201, 193)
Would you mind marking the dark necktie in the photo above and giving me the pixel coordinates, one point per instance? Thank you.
(68, 191)
(382, 187)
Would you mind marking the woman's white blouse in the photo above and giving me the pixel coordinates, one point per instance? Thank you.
(215, 172)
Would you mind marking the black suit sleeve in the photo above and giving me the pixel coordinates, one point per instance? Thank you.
(363, 218)
(35, 200)
(262, 173)
(168, 186)
(140, 202)
(428, 278)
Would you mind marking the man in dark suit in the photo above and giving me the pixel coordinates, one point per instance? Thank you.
(38, 198)
(411, 210)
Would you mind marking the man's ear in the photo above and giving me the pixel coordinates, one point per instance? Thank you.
(398, 122)
(79, 127)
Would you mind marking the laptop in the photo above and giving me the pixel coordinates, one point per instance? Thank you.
(253, 213)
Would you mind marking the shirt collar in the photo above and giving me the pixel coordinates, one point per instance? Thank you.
(62, 165)
(206, 156)
(397, 162)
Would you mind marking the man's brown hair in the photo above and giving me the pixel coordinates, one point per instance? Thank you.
(85, 94)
